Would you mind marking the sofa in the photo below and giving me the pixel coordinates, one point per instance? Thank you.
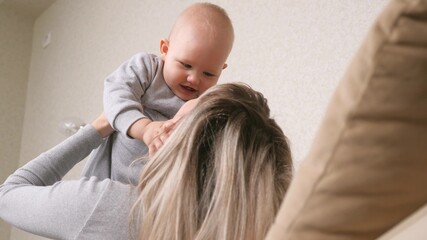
(365, 173)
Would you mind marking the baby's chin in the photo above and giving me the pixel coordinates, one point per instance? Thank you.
(186, 94)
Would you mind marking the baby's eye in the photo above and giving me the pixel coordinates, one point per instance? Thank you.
(208, 74)
(188, 66)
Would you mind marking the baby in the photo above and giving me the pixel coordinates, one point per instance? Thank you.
(148, 89)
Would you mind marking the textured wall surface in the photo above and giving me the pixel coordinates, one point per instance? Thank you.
(294, 52)
(15, 50)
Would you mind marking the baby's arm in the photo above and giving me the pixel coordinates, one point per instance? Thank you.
(149, 131)
(145, 130)
(123, 90)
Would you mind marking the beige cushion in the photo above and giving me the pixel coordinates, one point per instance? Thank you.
(412, 228)
(367, 168)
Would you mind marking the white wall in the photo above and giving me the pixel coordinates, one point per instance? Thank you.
(15, 50)
(293, 51)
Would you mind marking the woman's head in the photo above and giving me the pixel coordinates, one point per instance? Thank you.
(222, 174)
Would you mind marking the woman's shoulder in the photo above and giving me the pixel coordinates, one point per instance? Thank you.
(109, 218)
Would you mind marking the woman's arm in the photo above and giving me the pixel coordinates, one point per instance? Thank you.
(51, 166)
(35, 200)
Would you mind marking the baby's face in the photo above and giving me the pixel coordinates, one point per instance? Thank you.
(193, 61)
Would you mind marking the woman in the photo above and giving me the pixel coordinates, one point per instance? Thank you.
(222, 174)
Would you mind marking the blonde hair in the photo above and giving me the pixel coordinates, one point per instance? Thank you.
(222, 174)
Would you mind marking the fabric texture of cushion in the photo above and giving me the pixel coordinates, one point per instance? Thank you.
(367, 168)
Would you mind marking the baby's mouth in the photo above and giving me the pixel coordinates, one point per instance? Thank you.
(190, 89)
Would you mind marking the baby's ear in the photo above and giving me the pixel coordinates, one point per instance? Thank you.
(164, 47)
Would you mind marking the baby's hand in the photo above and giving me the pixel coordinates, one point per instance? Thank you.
(160, 139)
(151, 131)
(167, 127)
(162, 131)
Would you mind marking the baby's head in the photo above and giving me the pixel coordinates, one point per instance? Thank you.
(196, 51)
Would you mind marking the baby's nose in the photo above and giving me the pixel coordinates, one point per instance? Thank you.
(193, 78)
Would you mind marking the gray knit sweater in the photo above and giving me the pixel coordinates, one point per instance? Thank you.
(36, 200)
(135, 90)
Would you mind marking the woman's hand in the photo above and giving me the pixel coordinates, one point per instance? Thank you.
(102, 125)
